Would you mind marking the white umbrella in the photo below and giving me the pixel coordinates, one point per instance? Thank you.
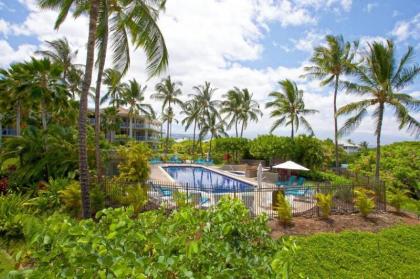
(290, 165)
(259, 175)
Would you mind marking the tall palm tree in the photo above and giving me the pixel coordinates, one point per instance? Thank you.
(380, 80)
(168, 116)
(231, 106)
(168, 92)
(64, 7)
(191, 109)
(330, 63)
(46, 86)
(60, 52)
(290, 107)
(13, 82)
(111, 122)
(115, 88)
(204, 96)
(213, 125)
(133, 96)
(250, 110)
(118, 21)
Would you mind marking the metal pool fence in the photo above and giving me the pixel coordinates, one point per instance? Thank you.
(258, 200)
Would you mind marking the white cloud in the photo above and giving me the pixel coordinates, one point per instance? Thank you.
(344, 5)
(370, 7)
(407, 29)
(10, 55)
(311, 39)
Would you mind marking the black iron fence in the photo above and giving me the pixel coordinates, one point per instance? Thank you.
(258, 200)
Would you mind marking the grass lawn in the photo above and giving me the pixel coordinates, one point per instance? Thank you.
(6, 264)
(391, 253)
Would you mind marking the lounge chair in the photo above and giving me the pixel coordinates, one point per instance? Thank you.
(175, 159)
(155, 161)
(163, 192)
(289, 182)
(208, 162)
(199, 161)
(198, 199)
(300, 181)
(248, 200)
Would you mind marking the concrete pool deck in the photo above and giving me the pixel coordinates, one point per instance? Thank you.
(262, 200)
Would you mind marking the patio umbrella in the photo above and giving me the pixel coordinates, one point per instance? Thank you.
(290, 165)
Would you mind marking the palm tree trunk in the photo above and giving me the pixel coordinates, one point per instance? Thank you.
(293, 130)
(83, 159)
(101, 67)
(43, 116)
(18, 117)
(242, 128)
(193, 147)
(335, 123)
(211, 139)
(130, 127)
(236, 127)
(167, 137)
(378, 141)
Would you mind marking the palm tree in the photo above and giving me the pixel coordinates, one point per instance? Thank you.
(231, 106)
(380, 80)
(111, 122)
(213, 125)
(46, 87)
(191, 110)
(168, 92)
(133, 96)
(329, 64)
(204, 97)
(60, 52)
(115, 88)
(168, 116)
(64, 7)
(290, 107)
(250, 110)
(118, 21)
(13, 93)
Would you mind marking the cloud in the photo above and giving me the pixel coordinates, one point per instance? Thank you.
(407, 29)
(10, 55)
(309, 41)
(370, 6)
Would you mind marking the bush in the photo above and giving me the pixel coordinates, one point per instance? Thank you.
(398, 198)
(324, 203)
(363, 202)
(134, 166)
(189, 243)
(13, 210)
(283, 209)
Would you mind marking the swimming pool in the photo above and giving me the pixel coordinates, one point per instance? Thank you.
(203, 179)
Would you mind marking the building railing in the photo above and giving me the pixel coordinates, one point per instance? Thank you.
(8, 132)
(126, 125)
(259, 200)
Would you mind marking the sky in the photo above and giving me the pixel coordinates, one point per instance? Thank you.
(245, 43)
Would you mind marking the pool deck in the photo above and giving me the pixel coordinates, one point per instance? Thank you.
(262, 199)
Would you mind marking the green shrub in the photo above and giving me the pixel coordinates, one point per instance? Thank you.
(324, 203)
(188, 243)
(363, 202)
(13, 211)
(134, 166)
(180, 199)
(135, 196)
(70, 198)
(283, 209)
(398, 198)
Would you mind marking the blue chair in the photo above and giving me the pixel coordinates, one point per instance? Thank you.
(199, 161)
(300, 181)
(165, 192)
(175, 159)
(208, 162)
(289, 182)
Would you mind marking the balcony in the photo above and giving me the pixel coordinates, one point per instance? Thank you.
(148, 138)
(125, 125)
(8, 132)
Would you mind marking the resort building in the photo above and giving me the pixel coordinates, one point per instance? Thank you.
(349, 147)
(144, 129)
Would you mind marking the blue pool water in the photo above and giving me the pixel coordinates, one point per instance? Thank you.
(206, 180)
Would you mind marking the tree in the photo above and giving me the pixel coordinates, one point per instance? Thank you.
(289, 106)
(111, 121)
(168, 92)
(60, 52)
(214, 126)
(250, 110)
(64, 7)
(329, 64)
(380, 80)
(191, 110)
(269, 146)
(133, 96)
(119, 21)
(231, 106)
(115, 88)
